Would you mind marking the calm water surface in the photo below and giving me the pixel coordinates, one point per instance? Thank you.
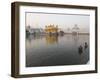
(56, 50)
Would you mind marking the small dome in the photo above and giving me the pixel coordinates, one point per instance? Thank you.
(75, 27)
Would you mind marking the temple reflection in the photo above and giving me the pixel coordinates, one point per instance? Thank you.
(51, 39)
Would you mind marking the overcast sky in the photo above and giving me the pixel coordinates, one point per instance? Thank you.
(39, 20)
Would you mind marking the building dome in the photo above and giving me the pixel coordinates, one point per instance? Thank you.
(75, 27)
(75, 30)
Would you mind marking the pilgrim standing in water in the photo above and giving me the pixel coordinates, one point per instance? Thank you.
(80, 49)
(86, 45)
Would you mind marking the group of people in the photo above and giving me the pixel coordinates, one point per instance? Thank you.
(80, 49)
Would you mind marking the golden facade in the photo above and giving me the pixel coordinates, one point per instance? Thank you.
(51, 28)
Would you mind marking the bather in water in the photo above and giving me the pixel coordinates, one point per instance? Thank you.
(86, 45)
(80, 49)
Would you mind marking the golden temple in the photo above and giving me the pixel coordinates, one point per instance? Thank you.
(51, 28)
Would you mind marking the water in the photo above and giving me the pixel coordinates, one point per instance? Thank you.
(56, 50)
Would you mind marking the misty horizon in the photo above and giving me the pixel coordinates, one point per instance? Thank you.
(40, 20)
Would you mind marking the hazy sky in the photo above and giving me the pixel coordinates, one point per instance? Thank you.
(39, 20)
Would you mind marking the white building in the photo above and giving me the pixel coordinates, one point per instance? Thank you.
(75, 30)
(34, 30)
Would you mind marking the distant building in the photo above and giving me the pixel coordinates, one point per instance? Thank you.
(34, 30)
(37, 30)
(28, 28)
(51, 29)
(68, 31)
(75, 30)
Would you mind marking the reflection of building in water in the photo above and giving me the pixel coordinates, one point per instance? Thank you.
(51, 39)
(75, 30)
(51, 29)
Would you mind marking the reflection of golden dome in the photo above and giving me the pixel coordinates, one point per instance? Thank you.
(51, 39)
